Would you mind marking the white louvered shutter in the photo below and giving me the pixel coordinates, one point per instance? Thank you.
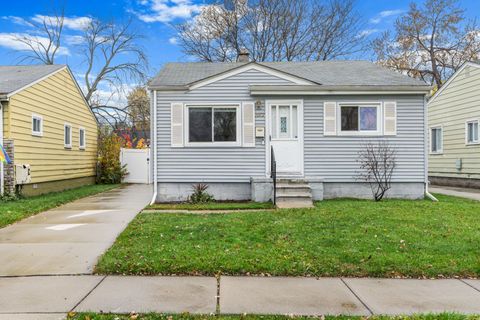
(389, 118)
(329, 118)
(177, 124)
(248, 109)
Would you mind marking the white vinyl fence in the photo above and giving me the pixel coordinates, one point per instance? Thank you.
(137, 163)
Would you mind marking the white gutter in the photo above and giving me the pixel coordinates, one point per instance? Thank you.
(1, 142)
(427, 148)
(153, 139)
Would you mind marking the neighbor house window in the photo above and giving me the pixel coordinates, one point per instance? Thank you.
(37, 125)
(216, 125)
(436, 144)
(68, 136)
(472, 132)
(81, 138)
(359, 119)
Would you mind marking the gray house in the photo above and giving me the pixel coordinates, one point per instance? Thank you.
(217, 123)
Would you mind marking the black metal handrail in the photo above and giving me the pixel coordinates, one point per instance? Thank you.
(273, 174)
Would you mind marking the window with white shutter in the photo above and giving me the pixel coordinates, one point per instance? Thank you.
(248, 124)
(177, 124)
(390, 118)
(329, 118)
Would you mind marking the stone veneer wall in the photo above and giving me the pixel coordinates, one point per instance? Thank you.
(9, 169)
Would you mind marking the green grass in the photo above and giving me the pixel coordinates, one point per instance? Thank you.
(12, 211)
(212, 206)
(337, 238)
(153, 316)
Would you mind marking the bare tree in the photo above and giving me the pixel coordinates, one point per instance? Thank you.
(377, 163)
(273, 30)
(44, 42)
(430, 41)
(105, 47)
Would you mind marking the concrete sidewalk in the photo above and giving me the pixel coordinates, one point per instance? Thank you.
(69, 239)
(51, 297)
(468, 193)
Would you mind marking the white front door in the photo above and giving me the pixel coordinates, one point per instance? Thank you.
(285, 132)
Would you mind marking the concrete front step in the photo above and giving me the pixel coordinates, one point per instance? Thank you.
(293, 193)
(294, 203)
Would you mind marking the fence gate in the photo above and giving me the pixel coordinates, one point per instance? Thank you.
(137, 163)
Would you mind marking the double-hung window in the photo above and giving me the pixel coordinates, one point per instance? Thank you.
(472, 132)
(37, 125)
(81, 139)
(361, 119)
(436, 140)
(67, 137)
(216, 125)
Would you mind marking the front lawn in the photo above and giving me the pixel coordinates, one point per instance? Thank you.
(212, 206)
(153, 316)
(338, 238)
(11, 211)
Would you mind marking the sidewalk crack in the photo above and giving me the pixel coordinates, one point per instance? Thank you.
(88, 293)
(356, 295)
(468, 284)
(217, 309)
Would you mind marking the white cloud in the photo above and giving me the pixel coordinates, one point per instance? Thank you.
(167, 10)
(367, 32)
(10, 40)
(17, 20)
(73, 39)
(173, 40)
(72, 23)
(385, 14)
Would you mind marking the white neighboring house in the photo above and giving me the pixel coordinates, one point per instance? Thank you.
(216, 123)
(453, 119)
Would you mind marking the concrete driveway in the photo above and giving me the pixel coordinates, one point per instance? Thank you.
(70, 239)
(468, 193)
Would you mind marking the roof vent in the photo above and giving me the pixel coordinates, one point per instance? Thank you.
(243, 55)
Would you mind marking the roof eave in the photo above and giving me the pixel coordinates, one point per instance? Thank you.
(338, 89)
(167, 88)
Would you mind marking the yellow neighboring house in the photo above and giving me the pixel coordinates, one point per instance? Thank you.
(453, 120)
(46, 118)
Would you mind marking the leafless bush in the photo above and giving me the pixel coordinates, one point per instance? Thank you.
(377, 163)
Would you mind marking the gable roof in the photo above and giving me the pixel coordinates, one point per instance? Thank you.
(345, 73)
(14, 78)
(453, 76)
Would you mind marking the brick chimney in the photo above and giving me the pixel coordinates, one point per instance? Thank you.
(243, 56)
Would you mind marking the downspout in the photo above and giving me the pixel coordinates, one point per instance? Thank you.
(427, 146)
(153, 139)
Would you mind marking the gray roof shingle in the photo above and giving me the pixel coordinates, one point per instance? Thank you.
(13, 78)
(345, 72)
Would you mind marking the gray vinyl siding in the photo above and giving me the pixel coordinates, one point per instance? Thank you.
(333, 158)
(211, 164)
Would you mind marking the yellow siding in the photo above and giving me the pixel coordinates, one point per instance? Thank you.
(457, 103)
(58, 100)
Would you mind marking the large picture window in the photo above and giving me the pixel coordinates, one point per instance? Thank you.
(359, 119)
(215, 124)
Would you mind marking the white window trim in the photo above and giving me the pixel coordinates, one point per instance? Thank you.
(84, 138)
(439, 151)
(466, 132)
(37, 133)
(237, 143)
(67, 146)
(377, 104)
